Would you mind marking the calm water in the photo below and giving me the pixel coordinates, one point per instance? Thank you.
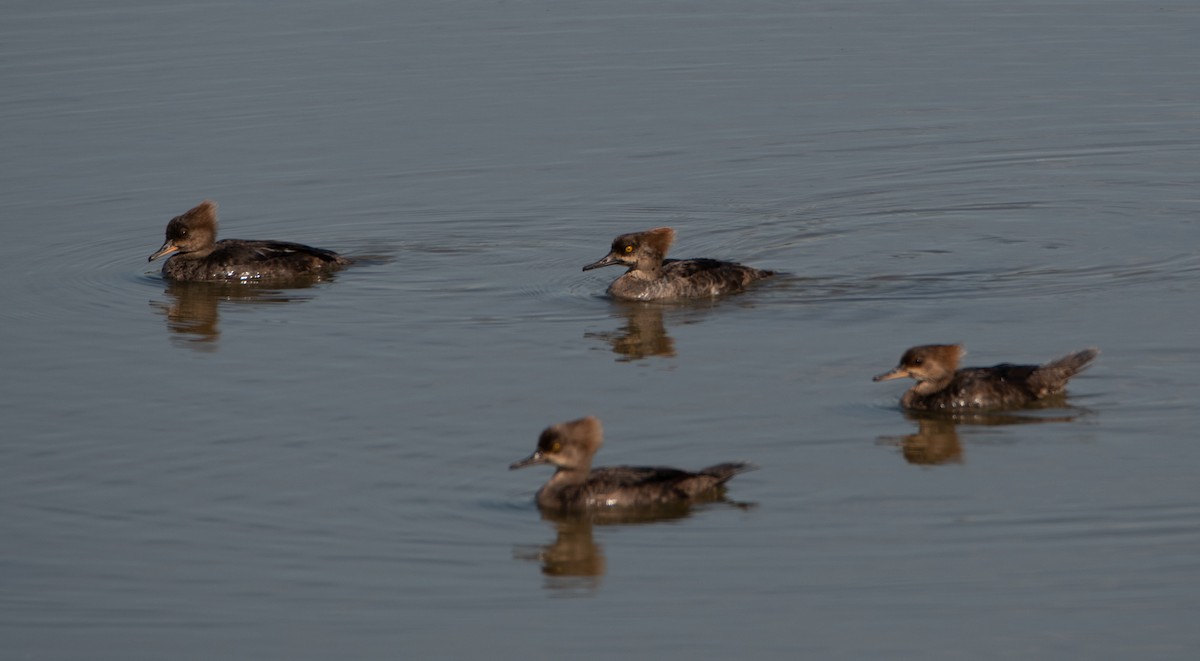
(198, 472)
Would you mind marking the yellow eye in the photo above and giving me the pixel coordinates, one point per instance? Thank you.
(556, 447)
(628, 248)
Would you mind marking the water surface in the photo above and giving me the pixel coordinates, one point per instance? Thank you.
(241, 472)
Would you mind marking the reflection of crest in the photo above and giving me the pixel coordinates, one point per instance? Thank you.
(193, 308)
(574, 561)
(937, 442)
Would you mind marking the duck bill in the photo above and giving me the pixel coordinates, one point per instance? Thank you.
(536, 458)
(897, 373)
(607, 260)
(167, 248)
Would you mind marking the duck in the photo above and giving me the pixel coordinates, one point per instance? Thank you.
(942, 386)
(195, 255)
(653, 277)
(576, 486)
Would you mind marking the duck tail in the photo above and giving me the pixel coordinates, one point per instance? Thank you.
(1052, 377)
(723, 472)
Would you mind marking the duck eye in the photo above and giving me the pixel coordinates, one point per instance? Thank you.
(629, 248)
(556, 447)
(918, 361)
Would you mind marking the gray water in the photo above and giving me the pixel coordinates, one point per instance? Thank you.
(247, 473)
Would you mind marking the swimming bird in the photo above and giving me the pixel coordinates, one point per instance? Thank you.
(942, 386)
(575, 486)
(652, 277)
(196, 255)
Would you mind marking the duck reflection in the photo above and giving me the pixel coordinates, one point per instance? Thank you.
(192, 309)
(936, 441)
(574, 561)
(643, 334)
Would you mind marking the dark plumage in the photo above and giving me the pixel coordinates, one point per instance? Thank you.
(942, 386)
(196, 255)
(577, 486)
(652, 277)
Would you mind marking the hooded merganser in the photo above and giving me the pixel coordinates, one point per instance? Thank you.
(577, 486)
(196, 255)
(941, 386)
(652, 277)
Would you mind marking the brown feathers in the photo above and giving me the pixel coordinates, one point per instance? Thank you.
(659, 239)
